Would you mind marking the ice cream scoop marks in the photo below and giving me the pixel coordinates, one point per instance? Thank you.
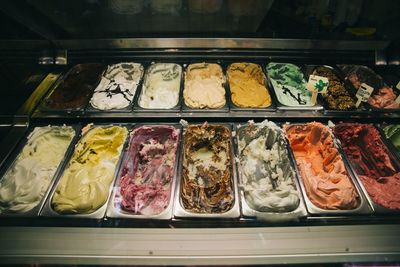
(168, 74)
(207, 184)
(256, 134)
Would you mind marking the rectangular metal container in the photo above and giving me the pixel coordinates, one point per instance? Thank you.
(366, 104)
(43, 108)
(48, 210)
(392, 148)
(223, 109)
(247, 211)
(180, 211)
(13, 157)
(234, 107)
(361, 109)
(378, 209)
(113, 209)
(94, 111)
(177, 108)
(362, 208)
(280, 106)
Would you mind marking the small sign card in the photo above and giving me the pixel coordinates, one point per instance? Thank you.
(363, 93)
(317, 85)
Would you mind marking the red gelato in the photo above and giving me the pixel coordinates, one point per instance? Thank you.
(385, 98)
(370, 158)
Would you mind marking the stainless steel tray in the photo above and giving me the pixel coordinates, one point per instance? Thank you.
(247, 211)
(378, 209)
(17, 151)
(280, 106)
(48, 210)
(223, 109)
(392, 148)
(138, 108)
(350, 89)
(367, 105)
(180, 211)
(115, 211)
(234, 107)
(92, 110)
(44, 108)
(313, 209)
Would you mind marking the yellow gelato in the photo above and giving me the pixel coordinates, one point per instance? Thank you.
(84, 185)
(247, 84)
(204, 86)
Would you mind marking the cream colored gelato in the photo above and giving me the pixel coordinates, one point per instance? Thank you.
(204, 86)
(84, 185)
(26, 181)
(161, 86)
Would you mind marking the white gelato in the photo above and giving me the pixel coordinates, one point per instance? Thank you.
(161, 86)
(267, 175)
(117, 86)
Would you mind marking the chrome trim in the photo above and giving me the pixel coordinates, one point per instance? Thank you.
(214, 44)
(221, 43)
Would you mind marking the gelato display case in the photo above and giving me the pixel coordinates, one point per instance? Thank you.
(190, 132)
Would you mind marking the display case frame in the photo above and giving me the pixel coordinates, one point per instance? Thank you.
(201, 242)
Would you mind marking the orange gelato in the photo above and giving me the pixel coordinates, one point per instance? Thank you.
(247, 83)
(321, 167)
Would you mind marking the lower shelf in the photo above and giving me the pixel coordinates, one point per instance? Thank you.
(176, 246)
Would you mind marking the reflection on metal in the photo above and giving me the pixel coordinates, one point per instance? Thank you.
(380, 57)
(221, 43)
(259, 245)
(46, 60)
(212, 44)
(31, 103)
(61, 57)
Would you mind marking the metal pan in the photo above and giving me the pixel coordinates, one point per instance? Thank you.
(233, 213)
(234, 107)
(390, 145)
(379, 83)
(391, 77)
(313, 209)
(176, 108)
(114, 209)
(48, 210)
(350, 89)
(44, 108)
(247, 211)
(376, 207)
(225, 108)
(128, 109)
(12, 160)
(280, 106)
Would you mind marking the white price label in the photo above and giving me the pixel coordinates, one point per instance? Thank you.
(398, 85)
(317, 84)
(364, 93)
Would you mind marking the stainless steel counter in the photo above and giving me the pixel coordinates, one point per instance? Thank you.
(274, 245)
